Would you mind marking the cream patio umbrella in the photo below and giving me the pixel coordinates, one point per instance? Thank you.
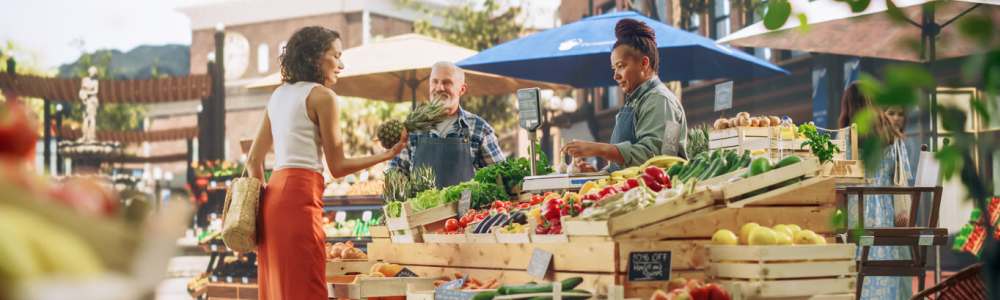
(834, 28)
(396, 69)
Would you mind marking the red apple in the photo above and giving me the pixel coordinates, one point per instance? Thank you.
(651, 182)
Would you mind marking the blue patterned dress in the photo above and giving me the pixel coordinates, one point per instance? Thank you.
(879, 213)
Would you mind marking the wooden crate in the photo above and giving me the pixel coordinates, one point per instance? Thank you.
(599, 261)
(513, 238)
(410, 219)
(639, 218)
(348, 266)
(769, 139)
(729, 191)
(845, 171)
(369, 287)
(445, 238)
(218, 290)
(766, 272)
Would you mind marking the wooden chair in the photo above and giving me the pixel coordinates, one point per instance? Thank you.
(967, 284)
(919, 238)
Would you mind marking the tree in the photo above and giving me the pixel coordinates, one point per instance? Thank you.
(477, 27)
(907, 85)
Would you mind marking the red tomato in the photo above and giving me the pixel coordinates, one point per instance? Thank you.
(631, 183)
(651, 182)
(451, 225)
(555, 229)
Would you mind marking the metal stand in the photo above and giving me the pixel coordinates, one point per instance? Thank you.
(531, 152)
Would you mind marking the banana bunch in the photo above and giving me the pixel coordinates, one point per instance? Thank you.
(662, 161)
(625, 174)
(38, 248)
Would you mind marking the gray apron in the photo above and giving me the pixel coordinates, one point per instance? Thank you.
(450, 158)
(624, 130)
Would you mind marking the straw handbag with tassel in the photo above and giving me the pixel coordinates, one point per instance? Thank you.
(239, 223)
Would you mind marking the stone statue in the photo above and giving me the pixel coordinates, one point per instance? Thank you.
(88, 94)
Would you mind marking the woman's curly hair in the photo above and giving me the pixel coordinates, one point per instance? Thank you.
(302, 53)
(639, 36)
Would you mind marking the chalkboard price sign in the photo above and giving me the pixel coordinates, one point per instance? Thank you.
(406, 273)
(649, 266)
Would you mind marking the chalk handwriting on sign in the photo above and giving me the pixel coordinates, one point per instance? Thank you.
(539, 264)
(649, 266)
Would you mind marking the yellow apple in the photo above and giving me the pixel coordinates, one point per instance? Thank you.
(804, 237)
(724, 237)
(745, 232)
(763, 236)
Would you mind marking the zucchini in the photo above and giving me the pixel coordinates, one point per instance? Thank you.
(675, 169)
(589, 295)
(485, 295)
(567, 284)
(711, 169)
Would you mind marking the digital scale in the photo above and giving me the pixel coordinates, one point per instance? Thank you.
(530, 115)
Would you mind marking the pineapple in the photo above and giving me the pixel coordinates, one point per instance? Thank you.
(422, 118)
(421, 179)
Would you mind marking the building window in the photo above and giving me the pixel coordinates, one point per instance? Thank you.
(694, 22)
(263, 58)
(720, 19)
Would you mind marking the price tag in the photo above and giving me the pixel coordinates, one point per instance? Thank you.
(866, 240)
(229, 279)
(649, 266)
(451, 291)
(464, 203)
(539, 264)
(245, 280)
(214, 248)
(214, 278)
(406, 273)
(926, 240)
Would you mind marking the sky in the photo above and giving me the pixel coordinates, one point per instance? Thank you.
(49, 32)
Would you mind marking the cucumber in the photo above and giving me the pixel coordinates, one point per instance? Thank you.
(684, 175)
(787, 161)
(759, 166)
(716, 164)
(743, 161)
(567, 284)
(485, 295)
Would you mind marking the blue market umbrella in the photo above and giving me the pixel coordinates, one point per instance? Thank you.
(578, 54)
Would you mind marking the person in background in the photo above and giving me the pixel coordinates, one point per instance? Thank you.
(880, 210)
(457, 146)
(301, 123)
(652, 121)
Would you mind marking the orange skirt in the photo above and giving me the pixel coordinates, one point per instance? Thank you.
(291, 258)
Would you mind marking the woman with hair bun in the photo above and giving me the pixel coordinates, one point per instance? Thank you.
(652, 121)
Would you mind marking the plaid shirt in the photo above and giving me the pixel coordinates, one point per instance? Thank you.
(483, 144)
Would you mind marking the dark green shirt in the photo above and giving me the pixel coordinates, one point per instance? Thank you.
(660, 124)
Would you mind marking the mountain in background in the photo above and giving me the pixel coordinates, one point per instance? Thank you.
(138, 63)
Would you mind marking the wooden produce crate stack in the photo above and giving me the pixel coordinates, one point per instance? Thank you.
(410, 226)
(600, 251)
(784, 272)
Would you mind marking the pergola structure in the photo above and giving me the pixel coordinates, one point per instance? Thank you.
(210, 130)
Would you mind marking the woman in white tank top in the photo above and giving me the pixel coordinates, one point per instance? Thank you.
(301, 123)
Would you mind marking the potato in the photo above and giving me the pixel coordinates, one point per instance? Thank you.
(720, 124)
(353, 253)
(775, 120)
(754, 122)
(743, 114)
(764, 121)
(744, 121)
